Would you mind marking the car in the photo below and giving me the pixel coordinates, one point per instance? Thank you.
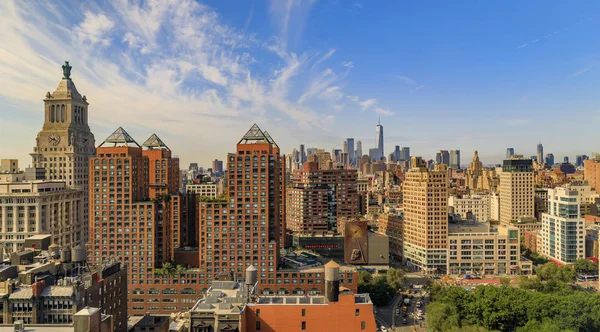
(382, 328)
(404, 314)
(404, 321)
(397, 311)
(419, 304)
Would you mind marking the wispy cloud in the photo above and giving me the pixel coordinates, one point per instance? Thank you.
(584, 70)
(409, 81)
(290, 13)
(383, 111)
(172, 67)
(357, 5)
(519, 122)
(367, 103)
(522, 46)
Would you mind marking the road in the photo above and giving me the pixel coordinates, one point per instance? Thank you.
(387, 317)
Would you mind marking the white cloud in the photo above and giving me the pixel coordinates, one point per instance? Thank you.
(367, 103)
(347, 64)
(290, 13)
(94, 29)
(383, 111)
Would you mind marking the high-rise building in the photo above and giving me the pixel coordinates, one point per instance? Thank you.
(136, 210)
(455, 159)
(302, 158)
(550, 159)
(540, 153)
(217, 166)
(374, 154)
(317, 198)
(351, 152)
(566, 159)
(516, 190)
(563, 230)
(442, 157)
(32, 207)
(426, 216)
(379, 140)
(509, 153)
(474, 174)
(396, 154)
(345, 147)
(359, 151)
(65, 143)
(591, 173)
(253, 208)
(405, 154)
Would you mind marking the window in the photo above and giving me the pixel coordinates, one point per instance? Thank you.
(357, 313)
(363, 325)
(303, 312)
(257, 326)
(257, 312)
(304, 325)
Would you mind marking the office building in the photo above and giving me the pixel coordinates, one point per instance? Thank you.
(479, 249)
(359, 151)
(351, 152)
(217, 167)
(516, 190)
(405, 154)
(540, 153)
(302, 157)
(550, 159)
(472, 207)
(563, 233)
(374, 154)
(379, 140)
(426, 216)
(509, 153)
(442, 157)
(32, 207)
(566, 159)
(392, 225)
(455, 159)
(9, 166)
(317, 198)
(65, 143)
(591, 173)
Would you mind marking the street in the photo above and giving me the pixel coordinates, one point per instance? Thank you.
(386, 316)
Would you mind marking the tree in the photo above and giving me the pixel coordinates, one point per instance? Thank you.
(442, 317)
(364, 277)
(504, 281)
(395, 278)
(547, 326)
(585, 266)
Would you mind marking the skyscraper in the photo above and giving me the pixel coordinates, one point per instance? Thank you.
(509, 153)
(455, 159)
(253, 206)
(345, 148)
(426, 215)
(65, 143)
(405, 154)
(217, 166)
(302, 154)
(550, 159)
(540, 153)
(379, 140)
(442, 157)
(359, 151)
(351, 155)
(396, 153)
(517, 190)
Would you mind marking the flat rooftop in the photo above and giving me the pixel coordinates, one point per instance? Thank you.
(39, 328)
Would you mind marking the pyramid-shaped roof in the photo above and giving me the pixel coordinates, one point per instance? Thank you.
(154, 142)
(120, 136)
(254, 135)
(270, 139)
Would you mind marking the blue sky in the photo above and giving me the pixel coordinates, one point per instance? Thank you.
(465, 75)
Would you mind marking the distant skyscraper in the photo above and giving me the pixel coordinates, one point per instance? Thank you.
(405, 154)
(374, 154)
(540, 153)
(351, 155)
(566, 159)
(442, 157)
(516, 190)
(455, 159)
(396, 153)
(509, 153)
(379, 139)
(302, 154)
(578, 160)
(345, 148)
(359, 151)
(550, 159)
(217, 166)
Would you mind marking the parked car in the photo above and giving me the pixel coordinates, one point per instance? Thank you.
(404, 321)
(397, 311)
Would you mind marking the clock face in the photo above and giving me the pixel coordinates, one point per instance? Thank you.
(54, 139)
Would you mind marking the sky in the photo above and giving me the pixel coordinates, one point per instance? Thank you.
(466, 75)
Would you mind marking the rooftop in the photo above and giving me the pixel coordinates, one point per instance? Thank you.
(152, 321)
(39, 328)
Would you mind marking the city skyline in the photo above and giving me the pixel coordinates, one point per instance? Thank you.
(304, 88)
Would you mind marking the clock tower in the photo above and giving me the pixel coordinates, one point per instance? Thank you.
(65, 143)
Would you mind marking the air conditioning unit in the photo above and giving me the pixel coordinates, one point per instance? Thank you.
(19, 326)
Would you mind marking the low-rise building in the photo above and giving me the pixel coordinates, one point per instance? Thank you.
(530, 240)
(477, 205)
(480, 249)
(203, 189)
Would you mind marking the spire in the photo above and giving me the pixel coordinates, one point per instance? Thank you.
(379, 121)
(66, 88)
(120, 136)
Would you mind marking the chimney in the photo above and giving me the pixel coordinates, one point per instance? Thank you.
(332, 281)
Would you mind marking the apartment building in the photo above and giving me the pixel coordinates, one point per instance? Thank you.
(475, 207)
(203, 189)
(517, 189)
